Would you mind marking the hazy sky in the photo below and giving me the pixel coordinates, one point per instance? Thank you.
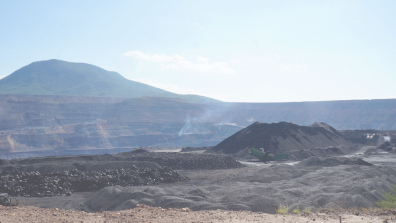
(250, 51)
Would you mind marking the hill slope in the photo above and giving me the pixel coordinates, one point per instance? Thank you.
(56, 77)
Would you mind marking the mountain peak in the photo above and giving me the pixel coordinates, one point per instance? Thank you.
(57, 77)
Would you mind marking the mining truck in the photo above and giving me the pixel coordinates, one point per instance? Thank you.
(266, 156)
(6, 200)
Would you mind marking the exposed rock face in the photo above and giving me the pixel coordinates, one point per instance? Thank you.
(281, 137)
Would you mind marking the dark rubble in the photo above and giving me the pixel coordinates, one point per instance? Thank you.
(182, 161)
(63, 175)
(34, 184)
(174, 160)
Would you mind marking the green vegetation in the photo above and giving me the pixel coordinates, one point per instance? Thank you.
(56, 77)
(282, 209)
(296, 210)
(389, 202)
(307, 210)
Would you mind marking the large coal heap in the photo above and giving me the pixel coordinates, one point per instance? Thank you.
(35, 184)
(282, 137)
(332, 161)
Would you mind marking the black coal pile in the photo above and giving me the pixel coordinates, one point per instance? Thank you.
(322, 152)
(139, 157)
(185, 161)
(281, 137)
(35, 184)
(385, 146)
(193, 149)
(332, 161)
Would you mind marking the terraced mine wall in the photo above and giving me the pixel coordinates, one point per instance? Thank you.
(64, 125)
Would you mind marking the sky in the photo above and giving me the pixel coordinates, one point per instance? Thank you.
(236, 51)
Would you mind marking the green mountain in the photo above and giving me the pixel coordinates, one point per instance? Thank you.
(56, 77)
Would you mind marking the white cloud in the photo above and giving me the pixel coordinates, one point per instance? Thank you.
(201, 28)
(168, 87)
(177, 89)
(203, 67)
(176, 62)
(275, 55)
(235, 61)
(202, 59)
(279, 56)
(293, 66)
(388, 95)
(154, 58)
(1, 77)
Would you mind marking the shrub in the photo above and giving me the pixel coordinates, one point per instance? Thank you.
(297, 210)
(307, 210)
(389, 201)
(282, 209)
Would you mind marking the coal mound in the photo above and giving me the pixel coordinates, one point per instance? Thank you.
(35, 184)
(282, 137)
(321, 152)
(332, 161)
(385, 146)
(193, 149)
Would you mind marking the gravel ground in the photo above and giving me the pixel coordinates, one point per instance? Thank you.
(144, 213)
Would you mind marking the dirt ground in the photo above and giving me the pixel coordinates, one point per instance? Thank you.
(144, 213)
